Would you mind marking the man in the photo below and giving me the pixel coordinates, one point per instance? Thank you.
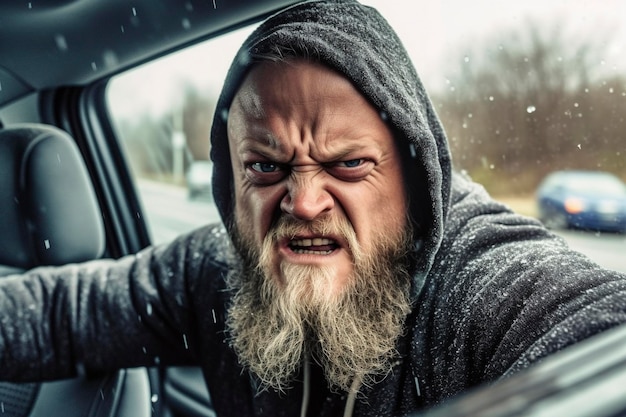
(364, 277)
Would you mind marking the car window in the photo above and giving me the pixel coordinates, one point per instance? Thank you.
(526, 89)
(599, 184)
(523, 90)
(162, 113)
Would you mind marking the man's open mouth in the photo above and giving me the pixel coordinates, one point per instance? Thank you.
(314, 246)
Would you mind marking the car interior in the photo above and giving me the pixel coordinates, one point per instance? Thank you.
(55, 213)
(50, 216)
(67, 194)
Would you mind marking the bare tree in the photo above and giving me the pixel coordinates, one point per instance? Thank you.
(532, 101)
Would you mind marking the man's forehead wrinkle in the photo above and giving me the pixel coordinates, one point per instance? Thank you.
(265, 137)
(310, 121)
(322, 145)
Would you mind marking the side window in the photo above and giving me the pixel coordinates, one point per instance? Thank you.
(163, 112)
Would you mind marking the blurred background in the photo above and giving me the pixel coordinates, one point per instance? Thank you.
(523, 89)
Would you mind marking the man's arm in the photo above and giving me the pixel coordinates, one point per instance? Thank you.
(105, 314)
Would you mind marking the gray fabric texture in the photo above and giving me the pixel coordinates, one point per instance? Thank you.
(494, 291)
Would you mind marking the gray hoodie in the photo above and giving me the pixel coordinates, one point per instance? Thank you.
(493, 291)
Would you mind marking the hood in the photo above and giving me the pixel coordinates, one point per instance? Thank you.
(356, 41)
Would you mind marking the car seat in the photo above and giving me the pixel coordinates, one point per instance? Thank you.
(49, 215)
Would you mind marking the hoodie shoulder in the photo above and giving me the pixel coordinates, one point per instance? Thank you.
(505, 292)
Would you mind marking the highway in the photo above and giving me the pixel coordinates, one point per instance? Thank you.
(607, 249)
(170, 212)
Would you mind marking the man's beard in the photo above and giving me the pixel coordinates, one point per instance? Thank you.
(273, 326)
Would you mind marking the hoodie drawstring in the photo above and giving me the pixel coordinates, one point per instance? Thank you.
(306, 392)
(354, 390)
(307, 386)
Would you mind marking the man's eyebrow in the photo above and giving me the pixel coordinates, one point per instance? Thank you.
(340, 153)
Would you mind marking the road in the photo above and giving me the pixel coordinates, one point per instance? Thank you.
(607, 249)
(171, 213)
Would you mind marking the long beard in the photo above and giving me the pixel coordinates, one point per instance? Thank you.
(352, 335)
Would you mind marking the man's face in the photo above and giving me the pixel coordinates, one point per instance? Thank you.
(308, 150)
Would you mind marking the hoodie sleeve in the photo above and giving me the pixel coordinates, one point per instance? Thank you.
(107, 314)
(505, 293)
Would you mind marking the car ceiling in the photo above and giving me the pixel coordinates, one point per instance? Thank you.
(49, 43)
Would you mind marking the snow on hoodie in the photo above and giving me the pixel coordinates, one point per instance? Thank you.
(493, 291)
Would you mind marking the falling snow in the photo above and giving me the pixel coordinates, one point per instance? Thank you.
(61, 43)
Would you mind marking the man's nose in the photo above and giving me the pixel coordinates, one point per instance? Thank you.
(306, 197)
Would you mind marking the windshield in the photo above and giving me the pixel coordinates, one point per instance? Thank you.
(597, 184)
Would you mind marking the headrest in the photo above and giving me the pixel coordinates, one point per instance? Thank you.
(48, 209)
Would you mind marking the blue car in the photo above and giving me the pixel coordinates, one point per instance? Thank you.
(590, 200)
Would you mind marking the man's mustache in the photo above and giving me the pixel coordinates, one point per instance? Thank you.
(289, 227)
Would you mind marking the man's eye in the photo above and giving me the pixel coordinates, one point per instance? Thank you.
(264, 167)
(265, 173)
(353, 163)
(351, 169)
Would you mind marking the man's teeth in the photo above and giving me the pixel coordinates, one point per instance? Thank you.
(303, 246)
(312, 242)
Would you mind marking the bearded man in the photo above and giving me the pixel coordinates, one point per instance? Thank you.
(325, 265)
(357, 274)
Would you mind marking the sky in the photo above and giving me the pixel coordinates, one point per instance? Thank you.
(434, 33)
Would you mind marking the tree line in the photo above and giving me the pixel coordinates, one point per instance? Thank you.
(518, 106)
(531, 102)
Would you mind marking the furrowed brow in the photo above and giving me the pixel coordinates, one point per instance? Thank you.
(263, 137)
